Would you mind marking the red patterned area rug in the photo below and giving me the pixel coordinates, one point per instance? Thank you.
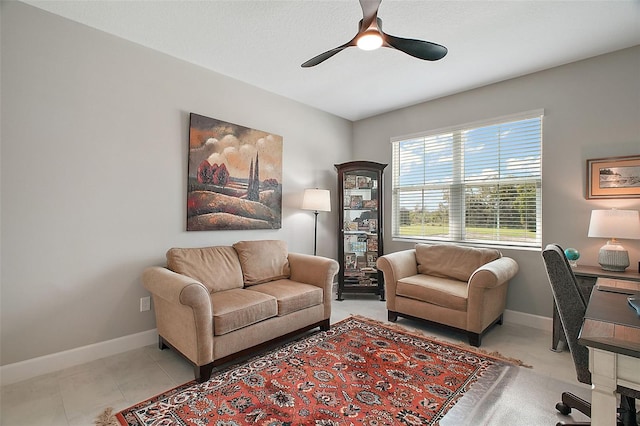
(360, 372)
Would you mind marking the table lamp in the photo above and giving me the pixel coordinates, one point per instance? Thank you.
(318, 200)
(614, 224)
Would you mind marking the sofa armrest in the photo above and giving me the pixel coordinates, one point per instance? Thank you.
(315, 270)
(184, 315)
(174, 287)
(494, 273)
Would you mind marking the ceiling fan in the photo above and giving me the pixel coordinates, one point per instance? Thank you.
(370, 36)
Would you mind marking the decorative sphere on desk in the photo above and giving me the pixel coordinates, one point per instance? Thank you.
(572, 256)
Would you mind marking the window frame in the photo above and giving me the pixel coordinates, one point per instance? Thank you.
(457, 235)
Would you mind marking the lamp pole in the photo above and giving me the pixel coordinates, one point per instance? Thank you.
(315, 232)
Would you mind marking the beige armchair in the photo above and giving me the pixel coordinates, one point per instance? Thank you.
(462, 288)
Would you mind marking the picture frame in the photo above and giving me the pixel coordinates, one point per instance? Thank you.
(372, 257)
(350, 261)
(613, 177)
(355, 202)
(364, 182)
(350, 181)
(370, 204)
(234, 179)
(372, 244)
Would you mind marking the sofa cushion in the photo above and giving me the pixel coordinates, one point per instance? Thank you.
(291, 295)
(263, 261)
(218, 268)
(452, 261)
(238, 308)
(439, 291)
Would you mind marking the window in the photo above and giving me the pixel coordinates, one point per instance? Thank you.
(477, 183)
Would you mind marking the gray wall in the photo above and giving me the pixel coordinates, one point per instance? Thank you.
(93, 174)
(94, 156)
(592, 110)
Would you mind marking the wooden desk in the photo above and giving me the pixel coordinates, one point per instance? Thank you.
(611, 331)
(586, 277)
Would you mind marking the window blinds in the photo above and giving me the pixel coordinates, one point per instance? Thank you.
(474, 183)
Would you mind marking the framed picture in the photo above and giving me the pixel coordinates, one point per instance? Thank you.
(370, 204)
(350, 261)
(372, 257)
(349, 181)
(615, 177)
(355, 202)
(364, 182)
(234, 178)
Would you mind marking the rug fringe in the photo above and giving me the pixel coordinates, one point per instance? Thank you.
(460, 345)
(107, 418)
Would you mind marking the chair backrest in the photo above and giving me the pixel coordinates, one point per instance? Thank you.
(571, 306)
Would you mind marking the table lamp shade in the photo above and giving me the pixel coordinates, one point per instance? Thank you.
(317, 200)
(613, 224)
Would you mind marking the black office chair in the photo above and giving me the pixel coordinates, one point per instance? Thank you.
(572, 307)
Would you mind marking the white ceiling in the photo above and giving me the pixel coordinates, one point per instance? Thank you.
(263, 42)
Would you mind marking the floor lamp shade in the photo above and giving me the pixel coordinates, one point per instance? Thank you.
(613, 224)
(318, 200)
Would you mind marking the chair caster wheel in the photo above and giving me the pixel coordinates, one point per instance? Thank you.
(563, 408)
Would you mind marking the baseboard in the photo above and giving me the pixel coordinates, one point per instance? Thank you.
(28, 369)
(529, 320)
(23, 370)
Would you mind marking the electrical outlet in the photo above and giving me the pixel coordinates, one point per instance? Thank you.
(145, 303)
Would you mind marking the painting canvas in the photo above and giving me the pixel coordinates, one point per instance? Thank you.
(235, 177)
(617, 177)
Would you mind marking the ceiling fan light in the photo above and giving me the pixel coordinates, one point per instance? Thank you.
(369, 40)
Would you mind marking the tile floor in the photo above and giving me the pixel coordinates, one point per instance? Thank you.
(75, 396)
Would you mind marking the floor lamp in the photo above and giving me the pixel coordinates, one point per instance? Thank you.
(318, 200)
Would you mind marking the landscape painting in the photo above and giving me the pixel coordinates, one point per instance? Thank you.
(617, 177)
(235, 177)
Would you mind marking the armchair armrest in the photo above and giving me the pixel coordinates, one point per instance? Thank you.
(494, 273)
(396, 266)
(183, 312)
(315, 270)
(488, 293)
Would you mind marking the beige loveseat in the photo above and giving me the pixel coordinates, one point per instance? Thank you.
(214, 304)
(463, 288)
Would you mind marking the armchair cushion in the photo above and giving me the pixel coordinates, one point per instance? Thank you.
(452, 261)
(435, 290)
(238, 308)
(263, 261)
(217, 268)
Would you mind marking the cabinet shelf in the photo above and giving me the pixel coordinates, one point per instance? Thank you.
(360, 227)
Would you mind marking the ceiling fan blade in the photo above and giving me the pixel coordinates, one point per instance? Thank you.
(417, 48)
(324, 56)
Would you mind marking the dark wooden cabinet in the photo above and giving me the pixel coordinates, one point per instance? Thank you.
(586, 276)
(360, 227)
